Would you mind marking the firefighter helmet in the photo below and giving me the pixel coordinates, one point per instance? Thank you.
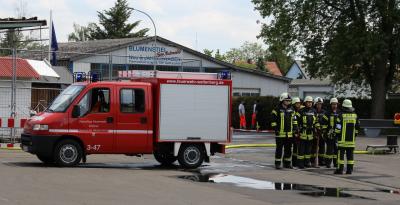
(308, 99)
(334, 100)
(284, 96)
(347, 103)
(295, 100)
(318, 100)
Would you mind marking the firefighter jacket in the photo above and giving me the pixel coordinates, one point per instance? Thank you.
(298, 117)
(347, 126)
(308, 123)
(283, 121)
(332, 119)
(322, 119)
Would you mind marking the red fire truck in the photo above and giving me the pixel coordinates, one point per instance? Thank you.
(172, 115)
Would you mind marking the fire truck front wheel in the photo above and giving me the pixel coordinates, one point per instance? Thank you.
(45, 159)
(68, 153)
(191, 156)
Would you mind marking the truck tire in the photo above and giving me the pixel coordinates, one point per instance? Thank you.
(165, 159)
(45, 159)
(68, 153)
(191, 155)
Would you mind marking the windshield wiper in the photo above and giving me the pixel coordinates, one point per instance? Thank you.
(48, 110)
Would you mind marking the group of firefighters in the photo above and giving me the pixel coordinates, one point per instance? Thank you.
(309, 136)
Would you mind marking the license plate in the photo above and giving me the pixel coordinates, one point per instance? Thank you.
(25, 148)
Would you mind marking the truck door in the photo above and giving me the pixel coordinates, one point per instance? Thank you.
(132, 132)
(96, 122)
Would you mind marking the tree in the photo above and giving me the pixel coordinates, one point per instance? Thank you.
(351, 41)
(208, 52)
(246, 51)
(14, 38)
(260, 63)
(81, 33)
(113, 23)
(279, 55)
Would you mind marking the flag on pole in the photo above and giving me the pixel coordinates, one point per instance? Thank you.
(54, 45)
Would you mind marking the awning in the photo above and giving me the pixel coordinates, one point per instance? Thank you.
(24, 69)
(43, 68)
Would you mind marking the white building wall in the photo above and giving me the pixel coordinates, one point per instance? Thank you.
(247, 82)
(315, 91)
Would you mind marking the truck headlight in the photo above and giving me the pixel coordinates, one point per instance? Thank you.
(40, 127)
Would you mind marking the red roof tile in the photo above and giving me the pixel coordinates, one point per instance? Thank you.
(24, 69)
(273, 68)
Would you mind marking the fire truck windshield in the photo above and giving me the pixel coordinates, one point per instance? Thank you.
(62, 102)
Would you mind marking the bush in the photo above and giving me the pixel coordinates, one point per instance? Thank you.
(362, 106)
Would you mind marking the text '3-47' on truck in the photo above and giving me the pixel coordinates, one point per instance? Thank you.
(173, 115)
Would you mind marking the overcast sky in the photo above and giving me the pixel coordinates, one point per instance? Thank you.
(222, 24)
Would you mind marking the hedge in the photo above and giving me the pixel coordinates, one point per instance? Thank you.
(362, 106)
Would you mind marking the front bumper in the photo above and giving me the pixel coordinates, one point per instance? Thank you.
(39, 144)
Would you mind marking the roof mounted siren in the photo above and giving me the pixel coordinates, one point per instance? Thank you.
(79, 77)
(95, 76)
(89, 76)
(224, 75)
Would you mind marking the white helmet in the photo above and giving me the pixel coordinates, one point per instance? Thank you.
(334, 100)
(308, 99)
(318, 100)
(295, 100)
(284, 96)
(347, 103)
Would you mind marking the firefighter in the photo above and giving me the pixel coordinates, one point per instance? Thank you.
(257, 109)
(307, 124)
(283, 122)
(318, 148)
(347, 126)
(331, 148)
(296, 103)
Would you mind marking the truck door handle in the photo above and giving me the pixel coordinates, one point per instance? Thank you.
(110, 119)
(143, 120)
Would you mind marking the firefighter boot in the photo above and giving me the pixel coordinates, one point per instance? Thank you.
(287, 165)
(349, 169)
(328, 162)
(339, 170)
(278, 165)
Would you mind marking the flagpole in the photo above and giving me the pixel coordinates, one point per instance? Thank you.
(50, 33)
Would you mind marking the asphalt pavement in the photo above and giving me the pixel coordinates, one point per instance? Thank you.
(241, 176)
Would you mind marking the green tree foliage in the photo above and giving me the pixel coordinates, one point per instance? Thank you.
(113, 23)
(351, 41)
(260, 63)
(247, 51)
(208, 52)
(80, 33)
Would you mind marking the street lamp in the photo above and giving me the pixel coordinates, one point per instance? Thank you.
(155, 35)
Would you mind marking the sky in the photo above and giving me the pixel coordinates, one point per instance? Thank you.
(198, 24)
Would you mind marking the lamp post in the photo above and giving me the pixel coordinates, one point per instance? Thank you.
(155, 36)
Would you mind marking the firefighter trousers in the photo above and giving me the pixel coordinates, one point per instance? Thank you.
(283, 146)
(331, 152)
(304, 153)
(296, 143)
(349, 151)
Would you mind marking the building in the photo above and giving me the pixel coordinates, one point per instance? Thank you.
(112, 55)
(37, 84)
(302, 85)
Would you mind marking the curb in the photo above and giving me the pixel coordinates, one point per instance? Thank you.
(274, 145)
(10, 146)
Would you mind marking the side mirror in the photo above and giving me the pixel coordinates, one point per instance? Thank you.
(76, 111)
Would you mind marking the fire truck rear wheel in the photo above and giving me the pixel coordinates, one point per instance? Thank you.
(164, 159)
(68, 153)
(45, 159)
(191, 155)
